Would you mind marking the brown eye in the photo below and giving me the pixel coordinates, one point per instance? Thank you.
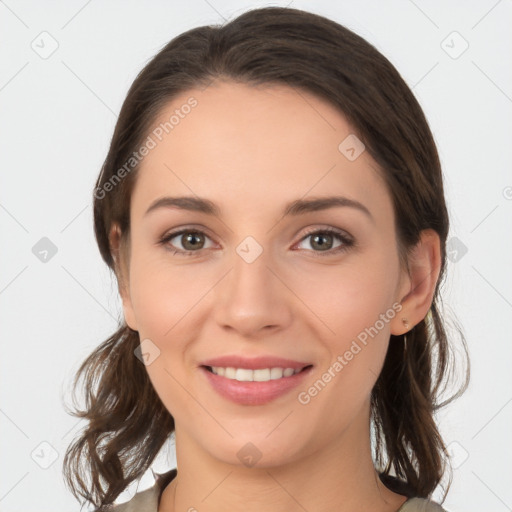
(322, 241)
(319, 241)
(192, 241)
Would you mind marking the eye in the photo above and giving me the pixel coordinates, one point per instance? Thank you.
(194, 239)
(323, 239)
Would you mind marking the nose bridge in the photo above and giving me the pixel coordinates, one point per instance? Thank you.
(251, 278)
(251, 296)
(251, 263)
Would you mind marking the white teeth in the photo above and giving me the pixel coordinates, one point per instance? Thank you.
(263, 375)
(260, 375)
(276, 373)
(243, 374)
(229, 373)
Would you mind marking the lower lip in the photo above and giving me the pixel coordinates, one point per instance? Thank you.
(254, 393)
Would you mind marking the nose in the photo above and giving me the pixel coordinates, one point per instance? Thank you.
(253, 297)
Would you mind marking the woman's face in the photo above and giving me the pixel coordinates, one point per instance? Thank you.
(260, 282)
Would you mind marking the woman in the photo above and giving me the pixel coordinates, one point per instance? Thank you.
(272, 206)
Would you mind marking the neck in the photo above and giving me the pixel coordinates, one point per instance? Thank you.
(339, 477)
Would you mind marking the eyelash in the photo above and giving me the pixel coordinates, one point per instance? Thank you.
(347, 241)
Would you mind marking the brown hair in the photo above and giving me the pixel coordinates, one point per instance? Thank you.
(127, 422)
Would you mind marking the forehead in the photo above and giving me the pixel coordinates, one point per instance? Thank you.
(241, 144)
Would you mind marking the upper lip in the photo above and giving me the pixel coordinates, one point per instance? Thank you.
(254, 363)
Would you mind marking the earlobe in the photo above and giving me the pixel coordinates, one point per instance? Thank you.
(129, 315)
(424, 265)
(122, 277)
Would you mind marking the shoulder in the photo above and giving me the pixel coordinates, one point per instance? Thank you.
(413, 503)
(420, 505)
(144, 501)
(147, 500)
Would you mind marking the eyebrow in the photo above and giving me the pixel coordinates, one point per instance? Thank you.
(294, 208)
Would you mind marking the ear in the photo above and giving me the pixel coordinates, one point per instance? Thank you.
(417, 292)
(122, 274)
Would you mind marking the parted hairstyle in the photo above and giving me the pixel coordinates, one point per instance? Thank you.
(127, 424)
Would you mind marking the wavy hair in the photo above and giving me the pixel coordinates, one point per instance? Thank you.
(127, 422)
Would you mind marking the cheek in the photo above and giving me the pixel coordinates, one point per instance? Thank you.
(355, 305)
(162, 295)
(163, 302)
(348, 297)
(166, 301)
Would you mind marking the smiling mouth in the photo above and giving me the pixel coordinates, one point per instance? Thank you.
(258, 375)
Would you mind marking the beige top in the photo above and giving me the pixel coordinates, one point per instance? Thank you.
(149, 499)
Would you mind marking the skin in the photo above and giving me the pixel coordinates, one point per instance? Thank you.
(251, 151)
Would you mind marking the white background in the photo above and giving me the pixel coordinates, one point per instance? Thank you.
(57, 117)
